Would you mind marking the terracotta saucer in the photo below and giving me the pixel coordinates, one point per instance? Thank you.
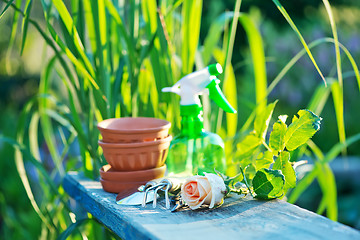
(110, 174)
(118, 187)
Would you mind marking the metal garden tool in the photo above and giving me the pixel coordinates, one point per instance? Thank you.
(136, 197)
(166, 185)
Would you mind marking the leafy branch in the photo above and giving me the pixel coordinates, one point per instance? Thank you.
(267, 163)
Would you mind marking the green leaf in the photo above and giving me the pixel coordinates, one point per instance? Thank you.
(302, 185)
(302, 40)
(264, 160)
(6, 7)
(258, 60)
(277, 135)
(25, 24)
(338, 97)
(301, 129)
(327, 184)
(337, 148)
(190, 31)
(230, 91)
(282, 163)
(336, 41)
(262, 120)
(268, 183)
(72, 227)
(301, 53)
(248, 145)
(250, 171)
(71, 28)
(212, 38)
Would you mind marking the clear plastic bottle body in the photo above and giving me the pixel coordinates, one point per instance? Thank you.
(195, 151)
(192, 156)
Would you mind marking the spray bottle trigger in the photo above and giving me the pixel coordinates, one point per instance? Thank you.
(218, 97)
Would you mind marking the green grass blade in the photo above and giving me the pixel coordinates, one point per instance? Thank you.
(302, 185)
(48, 132)
(303, 52)
(190, 31)
(25, 24)
(33, 135)
(258, 59)
(229, 89)
(77, 8)
(322, 206)
(22, 173)
(172, 7)
(54, 115)
(149, 15)
(20, 152)
(328, 187)
(213, 36)
(230, 43)
(70, 26)
(302, 40)
(338, 148)
(336, 41)
(117, 18)
(52, 45)
(102, 53)
(6, 7)
(319, 99)
(90, 25)
(78, 64)
(338, 98)
(14, 28)
(71, 228)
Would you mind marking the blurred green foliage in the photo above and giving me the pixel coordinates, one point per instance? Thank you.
(20, 76)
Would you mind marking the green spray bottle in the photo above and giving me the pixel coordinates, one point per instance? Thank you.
(194, 150)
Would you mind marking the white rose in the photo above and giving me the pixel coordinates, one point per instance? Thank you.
(198, 190)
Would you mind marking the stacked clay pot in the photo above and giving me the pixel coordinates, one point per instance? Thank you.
(136, 150)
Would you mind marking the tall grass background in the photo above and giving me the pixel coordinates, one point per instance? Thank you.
(105, 58)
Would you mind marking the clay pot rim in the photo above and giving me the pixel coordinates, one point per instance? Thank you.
(135, 144)
(136, 172)
(163, 124)
(124, 183)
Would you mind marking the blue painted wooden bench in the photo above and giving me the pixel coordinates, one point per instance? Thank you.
(238, 218)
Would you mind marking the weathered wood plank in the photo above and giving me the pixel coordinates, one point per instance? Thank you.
(238, 218)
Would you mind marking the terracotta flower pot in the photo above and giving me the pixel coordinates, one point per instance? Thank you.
(118, 187)
(108, 173)
(136, 156)
(127, 130)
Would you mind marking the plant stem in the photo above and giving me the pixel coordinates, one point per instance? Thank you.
(266, 146)
(246, 183)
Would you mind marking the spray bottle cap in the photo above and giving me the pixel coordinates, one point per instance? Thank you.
(194, 84)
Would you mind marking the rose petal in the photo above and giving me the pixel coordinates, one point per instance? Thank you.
(194, 207)
(205, 187)
(191, 189)
(190, 192)
(217, 188)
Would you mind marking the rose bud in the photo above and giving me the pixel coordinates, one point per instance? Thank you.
(198, 190)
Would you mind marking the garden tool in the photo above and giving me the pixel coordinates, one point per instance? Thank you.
(136, 198)
(167, 185)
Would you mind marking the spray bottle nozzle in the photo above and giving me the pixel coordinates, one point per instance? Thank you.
(218, 97)
(215, 69)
